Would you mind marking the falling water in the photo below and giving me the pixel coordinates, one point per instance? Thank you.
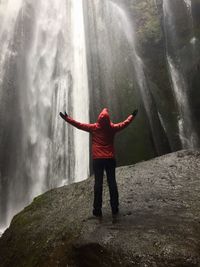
(43, 48)
(155, 3)
(8, 17)
(187, 131)
(188, 4)
(122, 21)
(80, 92)
(9, 11)
(189, 7)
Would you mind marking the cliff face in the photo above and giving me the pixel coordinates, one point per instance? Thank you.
(161, 37)
(158, 223)
(174, 34)
(151, 46)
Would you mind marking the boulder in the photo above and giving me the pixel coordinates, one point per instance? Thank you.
(158, 224)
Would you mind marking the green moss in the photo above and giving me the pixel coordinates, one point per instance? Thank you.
(147, 22)
(151, 48)
(22, 220)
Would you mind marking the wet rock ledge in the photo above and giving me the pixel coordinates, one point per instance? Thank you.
(159, 222)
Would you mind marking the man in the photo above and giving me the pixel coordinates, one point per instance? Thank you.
(103, 133)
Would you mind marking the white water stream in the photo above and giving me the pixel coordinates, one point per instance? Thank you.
(188, 136)
(123, 22)
(54, 80)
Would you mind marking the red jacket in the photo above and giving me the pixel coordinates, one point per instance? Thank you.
(103, 132)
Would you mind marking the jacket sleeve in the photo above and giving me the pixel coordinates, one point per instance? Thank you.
(121, 125)
(82, 126)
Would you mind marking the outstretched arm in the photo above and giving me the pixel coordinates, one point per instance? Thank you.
(120, 126)
(82, 126)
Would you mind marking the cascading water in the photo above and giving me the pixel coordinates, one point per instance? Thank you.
(117, 77)
(176, 62)
(122, 21)
(188, 3)
(80, 92)
(186, 132)
(193, 39)
(43, 71)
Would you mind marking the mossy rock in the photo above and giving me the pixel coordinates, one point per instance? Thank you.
(158, 223)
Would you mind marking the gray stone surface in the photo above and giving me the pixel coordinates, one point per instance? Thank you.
(159, 222)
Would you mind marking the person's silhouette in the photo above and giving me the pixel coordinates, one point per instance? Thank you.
(103, 133)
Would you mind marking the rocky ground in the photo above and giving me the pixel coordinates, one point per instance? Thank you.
(159, 222)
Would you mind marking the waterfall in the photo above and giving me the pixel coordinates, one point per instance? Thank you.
(8, 17)
(155, 3)
(43, 71)
(189, 7)
(80, 92)
(188, 4)
(187, 135)
(177, 61)
(118, 76)
(123, 22)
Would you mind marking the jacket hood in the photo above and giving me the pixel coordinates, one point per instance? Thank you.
(104, 118)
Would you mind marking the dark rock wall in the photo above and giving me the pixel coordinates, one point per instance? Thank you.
(152, 48)
(146, 16)
(194, 71)
(113, 82)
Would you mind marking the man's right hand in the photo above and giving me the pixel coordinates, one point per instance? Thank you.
(135, 112)
(63, 116)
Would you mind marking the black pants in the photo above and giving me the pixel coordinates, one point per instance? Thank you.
(99, 166)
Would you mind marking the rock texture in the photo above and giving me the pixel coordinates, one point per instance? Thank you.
(159, 222)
